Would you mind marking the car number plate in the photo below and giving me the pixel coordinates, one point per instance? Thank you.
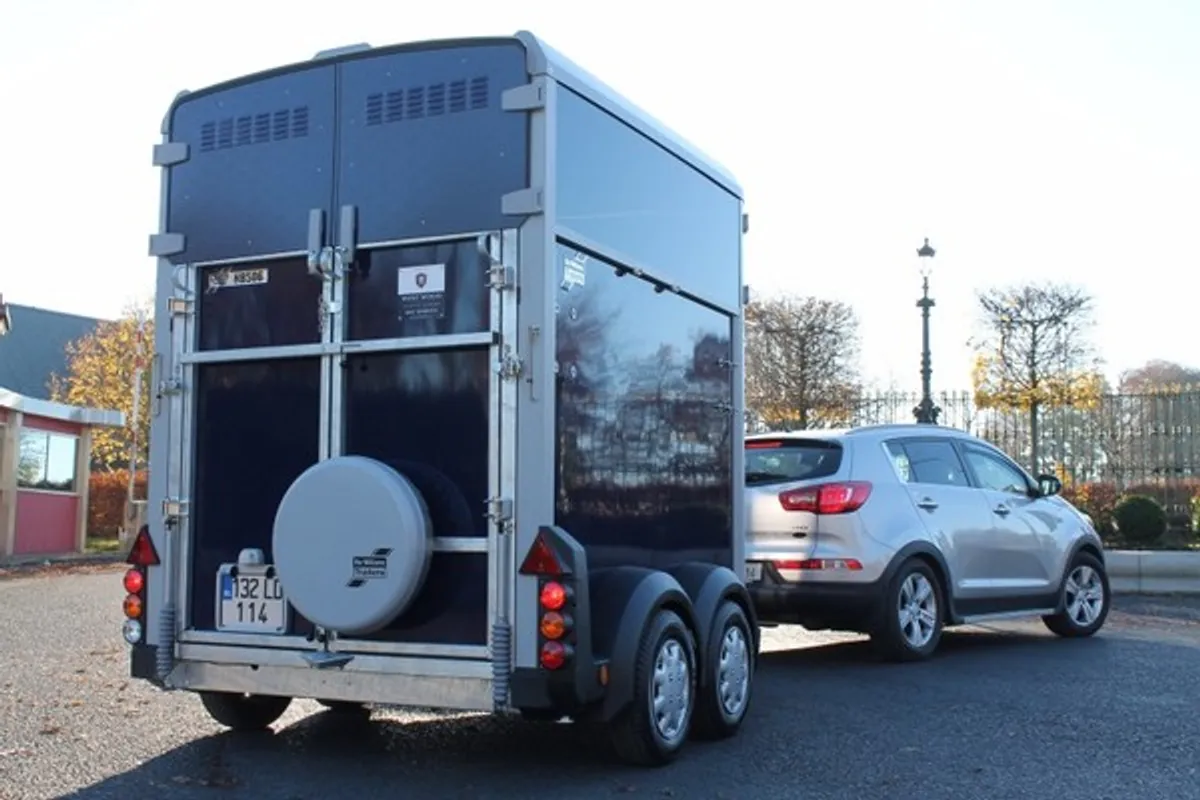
(250, 603)
(754, 571)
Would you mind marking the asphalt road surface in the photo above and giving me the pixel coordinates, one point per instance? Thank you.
(1002, 712)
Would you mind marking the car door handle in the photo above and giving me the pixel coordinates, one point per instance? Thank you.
(1001, 509)
(927, 504)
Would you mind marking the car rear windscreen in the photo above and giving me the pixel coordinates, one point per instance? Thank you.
(785, 460)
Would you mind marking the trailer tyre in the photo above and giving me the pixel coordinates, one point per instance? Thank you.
(244, 712)
(654, 727)
(729, 665)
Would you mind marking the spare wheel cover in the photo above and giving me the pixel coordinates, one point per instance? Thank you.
(352, 544)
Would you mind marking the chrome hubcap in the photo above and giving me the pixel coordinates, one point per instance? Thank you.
(733, 672)
(1085, 596)
(918, 610)
(671, 692)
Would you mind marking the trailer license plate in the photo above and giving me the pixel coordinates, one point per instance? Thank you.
(250, 603)
(753, 571)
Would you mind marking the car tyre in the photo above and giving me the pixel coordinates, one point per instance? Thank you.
(1085, 598)
(729, 664)
(912, 615)
(244, 712)
(653, 728)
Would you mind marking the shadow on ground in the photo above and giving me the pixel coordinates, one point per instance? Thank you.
(329, 754)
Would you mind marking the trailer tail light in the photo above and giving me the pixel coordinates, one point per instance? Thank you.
(827, 498)
(555, 655)
(141, 555)
(541, 559)
(134, 581)
(554, 595)
(556, 604)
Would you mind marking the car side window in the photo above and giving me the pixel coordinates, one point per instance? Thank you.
(928, 462)
(995, 474)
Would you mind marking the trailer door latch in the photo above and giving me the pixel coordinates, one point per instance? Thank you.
(500, 512)
(510, 366)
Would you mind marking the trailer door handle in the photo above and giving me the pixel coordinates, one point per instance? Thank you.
(347, 235)
(316, 240)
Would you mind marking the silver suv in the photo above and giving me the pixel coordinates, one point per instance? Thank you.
(899, 530)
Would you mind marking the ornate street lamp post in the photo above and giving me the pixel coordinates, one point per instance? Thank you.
(926, 411)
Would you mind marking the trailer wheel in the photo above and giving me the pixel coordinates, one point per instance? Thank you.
(244, 712)
(729, 665)
(654, 727)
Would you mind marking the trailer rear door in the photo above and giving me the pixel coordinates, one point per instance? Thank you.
(383, 176)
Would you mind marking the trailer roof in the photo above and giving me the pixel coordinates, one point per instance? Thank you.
(544, 59)
(541, 59)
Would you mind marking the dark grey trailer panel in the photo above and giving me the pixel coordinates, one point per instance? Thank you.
(260, 155)
(424, 147)
(415, 127)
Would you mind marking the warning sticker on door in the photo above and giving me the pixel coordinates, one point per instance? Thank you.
(574, 271)
(422, 291)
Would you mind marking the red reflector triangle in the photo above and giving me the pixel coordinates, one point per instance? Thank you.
(143, 554)
(541, 559)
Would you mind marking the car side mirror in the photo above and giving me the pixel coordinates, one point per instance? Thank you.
(1049, 485)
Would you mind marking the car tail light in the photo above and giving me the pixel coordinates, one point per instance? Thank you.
(827, 498)
(851, 564)
(556, 600)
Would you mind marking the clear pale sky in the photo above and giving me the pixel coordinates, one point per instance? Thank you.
(1028, 139)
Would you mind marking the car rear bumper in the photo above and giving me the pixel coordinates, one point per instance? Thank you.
(818, 604)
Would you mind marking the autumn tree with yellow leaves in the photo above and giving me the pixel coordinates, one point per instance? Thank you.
(1035, 353)
(101, 369)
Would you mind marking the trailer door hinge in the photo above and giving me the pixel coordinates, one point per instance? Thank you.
(173, 511)
(169, 386)
(501, 277)
(510, 366)
(500, 512)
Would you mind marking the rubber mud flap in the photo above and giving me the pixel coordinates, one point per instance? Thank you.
(352, 544)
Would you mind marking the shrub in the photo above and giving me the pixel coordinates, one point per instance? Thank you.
(1098, 500)
(1140, 519)
(107, 492)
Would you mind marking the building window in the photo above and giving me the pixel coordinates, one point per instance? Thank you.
(47, 461)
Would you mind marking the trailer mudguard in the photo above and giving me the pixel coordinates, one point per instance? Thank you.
(623, 601)
(709, 585)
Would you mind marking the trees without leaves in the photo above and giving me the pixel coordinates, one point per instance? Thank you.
(801, 361)
(1035, 352)
(1159, 376)
(100, 374)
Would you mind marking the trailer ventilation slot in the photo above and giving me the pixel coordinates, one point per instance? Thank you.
(434, 100)
(267, 126)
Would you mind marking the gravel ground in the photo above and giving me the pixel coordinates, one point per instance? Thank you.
(1004, 712)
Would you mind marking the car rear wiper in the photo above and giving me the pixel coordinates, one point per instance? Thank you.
(757, 477)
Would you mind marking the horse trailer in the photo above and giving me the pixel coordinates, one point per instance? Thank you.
(448, 401)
